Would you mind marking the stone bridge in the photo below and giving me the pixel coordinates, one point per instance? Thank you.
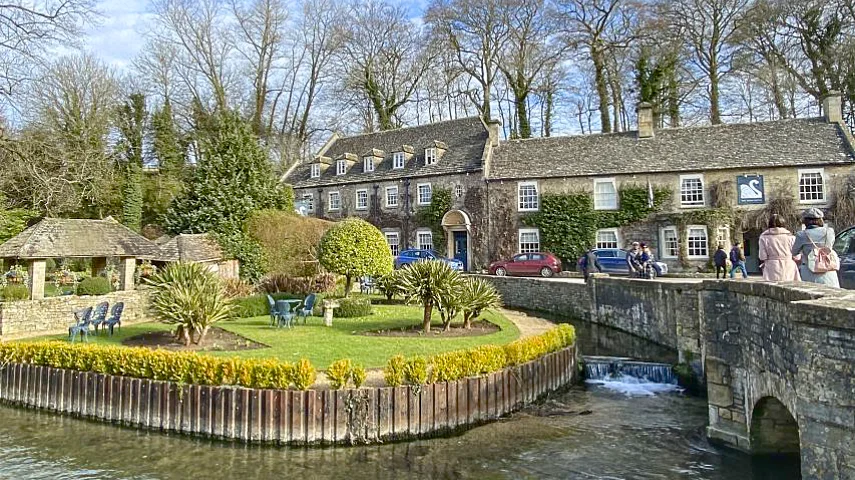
(778, 359)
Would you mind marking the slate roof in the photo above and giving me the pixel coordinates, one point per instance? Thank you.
(465, 139)
(66, 238)
(197, 247)
(799, 142)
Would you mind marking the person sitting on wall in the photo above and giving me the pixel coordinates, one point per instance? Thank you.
(632, 262)
(646, 257)
(589, 263)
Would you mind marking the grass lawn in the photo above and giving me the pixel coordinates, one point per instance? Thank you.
(323, 345)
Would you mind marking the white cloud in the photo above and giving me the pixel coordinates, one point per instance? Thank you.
(118, 36)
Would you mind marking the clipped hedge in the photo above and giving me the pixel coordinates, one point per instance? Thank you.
(15, 292)
(256, 305)
(352, 307)
(180, 367)
(94, 286)
(480, 360)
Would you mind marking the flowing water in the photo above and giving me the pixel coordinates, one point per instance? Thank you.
(615, 427)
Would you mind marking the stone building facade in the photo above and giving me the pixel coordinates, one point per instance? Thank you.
(495, 185)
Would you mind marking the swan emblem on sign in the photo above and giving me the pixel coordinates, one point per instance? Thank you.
(750, 191)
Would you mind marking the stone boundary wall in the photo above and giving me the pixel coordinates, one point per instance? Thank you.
(28, 318)
(312, 417)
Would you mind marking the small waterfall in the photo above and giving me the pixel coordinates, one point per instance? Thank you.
(629, 376)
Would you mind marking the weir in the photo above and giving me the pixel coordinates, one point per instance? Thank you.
(610, 368)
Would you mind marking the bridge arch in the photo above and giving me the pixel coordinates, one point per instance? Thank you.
(773, 428)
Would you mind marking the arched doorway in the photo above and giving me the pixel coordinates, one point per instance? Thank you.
(773, 428)
(458, 226)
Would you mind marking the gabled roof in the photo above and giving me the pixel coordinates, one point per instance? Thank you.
(799, 142)
(466, 139)
(67, 238)
(186, 247)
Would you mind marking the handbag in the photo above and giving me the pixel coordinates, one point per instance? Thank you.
(822, 259)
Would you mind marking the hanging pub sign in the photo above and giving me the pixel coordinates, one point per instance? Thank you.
(750, 190)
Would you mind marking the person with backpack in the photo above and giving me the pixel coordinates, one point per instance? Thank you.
(720, 261)
(819, 263)
(737, 261)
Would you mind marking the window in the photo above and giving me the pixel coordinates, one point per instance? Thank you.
(424, 239)
(605, 194)
(608, 238)
(391, 196)
(309, 201)
(315, 170)
(696, 238)
(425, 194)
(811, 186)
(335, 201)
(393, 239)
(529, 240)
(528, 199)
(722, 236)
(368, 164)
(458, 191)
(430, 156)
(691, 190)
(670, 243)
(398, 160)
(361, 199)
(341, 167)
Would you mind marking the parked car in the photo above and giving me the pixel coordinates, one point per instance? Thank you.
(537, 263)
(844, 245)
(613, 260)
(415, 255)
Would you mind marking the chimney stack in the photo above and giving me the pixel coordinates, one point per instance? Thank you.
(493, 127)
(832, 108)
(645, 120)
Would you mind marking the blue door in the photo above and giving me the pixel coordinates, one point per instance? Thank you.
(461, 247)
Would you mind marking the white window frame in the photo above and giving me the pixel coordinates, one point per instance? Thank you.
(397, 243)
(528, 231)
(528, 206)
(330, 201)
(389, 204)
(723, 240)
(398, 160)
(340, 167)
(356, 199)
(695, 204)
(368, 164)
(311, 198)
(430, 156)
(615, 231)
(419, 243)
(663, 250)
(689, 228)
(419, 193)
(813, 171)
(315, 170)
(611, 181)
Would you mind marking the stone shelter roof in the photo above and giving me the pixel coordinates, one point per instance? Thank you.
(798, 142)
(67, 238)
(186, 247)
(462, 143)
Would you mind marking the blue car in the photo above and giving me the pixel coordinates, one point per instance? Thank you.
(415, 255)
(613, 260)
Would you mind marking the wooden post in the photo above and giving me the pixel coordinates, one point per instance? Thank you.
(37, 279)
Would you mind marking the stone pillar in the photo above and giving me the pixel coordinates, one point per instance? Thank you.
(126, 273)
(645, 120)
(832, 107)
(36, 270)
(98, 265)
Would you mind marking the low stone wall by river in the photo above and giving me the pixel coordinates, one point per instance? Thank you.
(286, 416)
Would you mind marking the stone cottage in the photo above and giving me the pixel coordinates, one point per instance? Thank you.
(199, 248)
(737, 169)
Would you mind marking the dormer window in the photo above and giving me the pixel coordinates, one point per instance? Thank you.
(341, 167)
(315, 170)
(398, 160)
(369, 164)
(430, 156)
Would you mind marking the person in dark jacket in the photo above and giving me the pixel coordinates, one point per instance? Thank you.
(720, 260)
(632, 255)
(589, 264)
(737, 261)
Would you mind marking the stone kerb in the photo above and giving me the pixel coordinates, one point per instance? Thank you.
(312, 417)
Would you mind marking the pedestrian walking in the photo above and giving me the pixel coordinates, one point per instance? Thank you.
(737, 261)
(818, 262)
(776, 252)
(720, 260)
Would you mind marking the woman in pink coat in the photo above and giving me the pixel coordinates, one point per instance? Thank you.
(776, 246)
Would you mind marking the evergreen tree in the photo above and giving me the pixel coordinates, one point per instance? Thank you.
(132, 126)
(167, 148)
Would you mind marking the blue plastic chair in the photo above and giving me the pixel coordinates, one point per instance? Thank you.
(308, 307)
(82, 320)
(115, 317)
(99, 315)
(274, 313)
(284, 313)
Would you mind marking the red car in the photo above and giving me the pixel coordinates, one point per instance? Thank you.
(537, 263)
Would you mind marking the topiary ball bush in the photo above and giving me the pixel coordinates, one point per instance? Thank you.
(94, 286)
(352, 307)
(15, 293)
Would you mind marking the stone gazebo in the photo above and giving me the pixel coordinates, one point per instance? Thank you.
(75, 238)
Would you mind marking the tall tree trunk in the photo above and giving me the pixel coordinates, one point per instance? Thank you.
(601, 82)
(427, 315)
(467, 320)
(715, 112)
(523, 122)
(348, 284)
(673, 101)
(547, 117)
